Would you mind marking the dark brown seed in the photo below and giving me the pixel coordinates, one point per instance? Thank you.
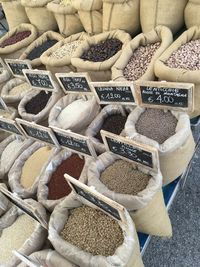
(38, 102)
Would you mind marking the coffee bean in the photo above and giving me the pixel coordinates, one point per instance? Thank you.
(15, 38)
(38, 102)
(39, 50)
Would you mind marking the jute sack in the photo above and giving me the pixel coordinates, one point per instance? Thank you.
(163, 72)
(14, 51)
(42, 116)
(14, 175)
(49, 35)
(4, 77)
(66, 16)
(175, 153)
(51, 166)
(90, 14)
(4, 202)
(12, 114)
(39, 15)
(169, 13)
(192, 13)
(96, 124)
(160, 34)
(127, 255)
(64, 64)
(9, 217)
(99, 71)
(122, 15)
(14, 12)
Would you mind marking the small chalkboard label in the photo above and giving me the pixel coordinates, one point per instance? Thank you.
(100, 201)
(114, 92)
(17, 66)
(24, 258)
(174, 96)
(3, 105)
(10, 126)
(37, 132)
(74, 82)
(75, 142)
(133, 151)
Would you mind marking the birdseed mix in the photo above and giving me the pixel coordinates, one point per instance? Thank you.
(15, 38)
(92, 231)
(39, 50)
(21, 88)
(38, 102)
(66, 50)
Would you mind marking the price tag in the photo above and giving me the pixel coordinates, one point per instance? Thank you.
(107, 205)
(10, 126)
(3, 105)
(17, 66)
(75, 142)
(74, 82)
(26, 259)
(37, 132)
(114, 92)
(132, 151)
(174, 96)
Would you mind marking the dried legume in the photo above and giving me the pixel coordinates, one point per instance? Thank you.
(15, 38)
(38, 102)
(66, 50)
(21, 88)
(39, 50)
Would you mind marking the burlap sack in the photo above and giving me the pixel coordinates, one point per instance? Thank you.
(192, 13)
(163, 72)
(66, 16)
(169, 13)
(9, 217)
(126, 255)
(4, 202)
(86, 116)
(4, 77)
(12, 114)
(53, 164)
(14, 51)
(160, 34)
(49, 35)
(90, 14)
(14, 12)
(62, 65)
(39, 15)
(147, 208)
(15, 172)
(122, 15)
(175, 153)
(99, 71)
(42, 116)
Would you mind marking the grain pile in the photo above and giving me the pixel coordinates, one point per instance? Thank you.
(21, 88)
(38, 102)
(15, 38)
(67, 49)
(39, 50)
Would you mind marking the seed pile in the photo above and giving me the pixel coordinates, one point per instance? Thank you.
(39, 50)
(66, 50)
(15, 38)
(38, 102)
(156, 124)
(186, 57)
(113, 124)
(58, 186)
(123, 178)
(140, 61)
(93, 231)
(5, 114)
(103, 50)
(19, 89)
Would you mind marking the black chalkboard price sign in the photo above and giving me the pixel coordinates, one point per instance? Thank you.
(105, 204)
(10, 126)
(114, 92)
(175, 96)
(17, 66)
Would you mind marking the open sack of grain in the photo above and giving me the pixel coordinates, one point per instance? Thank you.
(58, 58)
(173, 138)
(66, 16)
(72, 231)
(192, 13)
(168, 13)
(138, 57)
(25, 173)
(14, 42)
(99, 53)
(39, 46)
(66, 113)
(22, 233)
(180, 63)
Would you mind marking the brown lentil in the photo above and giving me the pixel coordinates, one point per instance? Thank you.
(15, 38)
(38, 102)
(92, 231)
(66, 50)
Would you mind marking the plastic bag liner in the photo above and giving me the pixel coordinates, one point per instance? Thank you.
(96, 124)
(99, 71)
(127, 255)
(127, 10)
(15, 50)
(42, 115)
(39, 15)
(147, 208)
(4, 202)
(175, 153)
(64, 64)
(10, 115)
(66, 16)
(159, 34)
(53, 164)
(50, 35)
(192, 13)
(168, 13)
(4, 77)
(25, 144)
(15, 172)
(163, 72)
